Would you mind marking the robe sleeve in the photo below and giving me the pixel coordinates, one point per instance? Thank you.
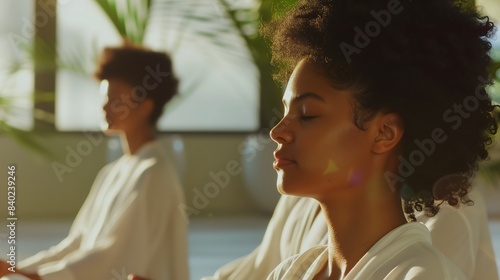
(258, 264)
(280, 270)
(65, 247)
(130, 238)
(463, 236)
(72, 241)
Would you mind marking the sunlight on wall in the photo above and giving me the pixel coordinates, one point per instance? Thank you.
(219, 88)
(16, 69)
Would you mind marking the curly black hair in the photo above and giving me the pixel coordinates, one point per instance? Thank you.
(425, 60)
(133, 64)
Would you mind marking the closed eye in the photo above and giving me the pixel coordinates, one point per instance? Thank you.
(307, 118)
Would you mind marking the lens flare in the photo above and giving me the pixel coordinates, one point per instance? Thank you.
(332, 167)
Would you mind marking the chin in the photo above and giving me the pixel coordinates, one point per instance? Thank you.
(295, 187)
(108, 130)
(284, 185)
(290, 189)
(281, 190)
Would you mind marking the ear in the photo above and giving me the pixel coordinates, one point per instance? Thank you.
(146, 108)
(390, 129)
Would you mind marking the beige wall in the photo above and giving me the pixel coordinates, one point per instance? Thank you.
(42, 195)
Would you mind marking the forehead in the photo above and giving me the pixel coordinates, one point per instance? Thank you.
(308, 77)
(114, 87)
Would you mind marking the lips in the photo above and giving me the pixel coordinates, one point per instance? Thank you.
(282, 160)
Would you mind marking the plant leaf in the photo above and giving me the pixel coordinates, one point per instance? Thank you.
(129, 17)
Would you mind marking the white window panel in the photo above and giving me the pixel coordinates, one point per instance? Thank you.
(16, 69)
(219, 86)
(82, 31)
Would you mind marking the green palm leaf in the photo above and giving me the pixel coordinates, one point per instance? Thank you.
(28, 139)
(129, 17)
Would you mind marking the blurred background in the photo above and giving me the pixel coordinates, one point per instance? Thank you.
(50, 113)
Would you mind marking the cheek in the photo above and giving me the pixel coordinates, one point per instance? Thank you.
(338, 156)
(354, 157)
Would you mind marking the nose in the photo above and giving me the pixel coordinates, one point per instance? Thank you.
(281, 133)
(105, 106)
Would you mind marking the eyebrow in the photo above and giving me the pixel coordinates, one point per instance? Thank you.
(304, 96)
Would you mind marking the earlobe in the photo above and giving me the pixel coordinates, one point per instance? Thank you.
(389, 132)
(146, 107)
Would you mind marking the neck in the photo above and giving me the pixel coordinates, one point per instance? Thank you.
(356, 221)
(132, 141)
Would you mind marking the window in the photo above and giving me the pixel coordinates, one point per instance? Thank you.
(219, 83)
(16, 68)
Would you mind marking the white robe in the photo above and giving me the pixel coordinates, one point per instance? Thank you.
(464, 237)
(404, 253)
(131, 222)
(295, 227)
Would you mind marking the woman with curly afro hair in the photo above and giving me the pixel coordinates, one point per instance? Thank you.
(386, 113)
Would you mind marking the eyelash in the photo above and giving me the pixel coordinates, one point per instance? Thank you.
(307, 118)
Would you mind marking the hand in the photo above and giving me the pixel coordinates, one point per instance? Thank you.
(135, 277)
(4, 268)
